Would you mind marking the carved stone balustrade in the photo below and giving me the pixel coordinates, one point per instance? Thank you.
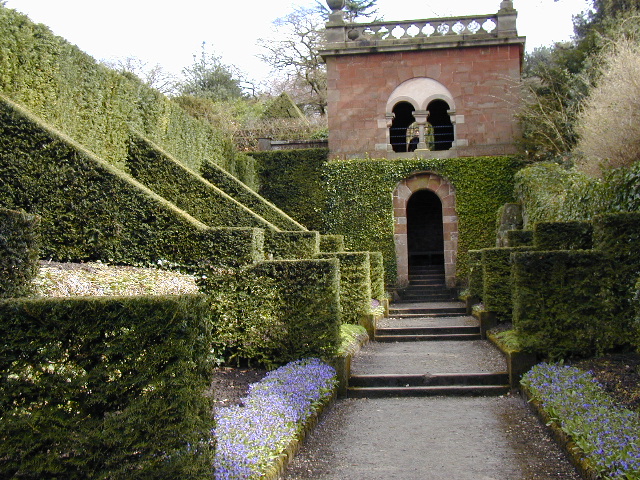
(347, 38)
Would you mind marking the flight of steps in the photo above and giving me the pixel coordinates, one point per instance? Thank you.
(428, 312)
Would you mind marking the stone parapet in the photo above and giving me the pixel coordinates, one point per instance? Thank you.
(445, 32)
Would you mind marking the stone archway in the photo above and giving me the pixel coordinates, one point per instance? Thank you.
(446, 193)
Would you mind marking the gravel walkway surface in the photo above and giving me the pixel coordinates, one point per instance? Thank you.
(439, 438)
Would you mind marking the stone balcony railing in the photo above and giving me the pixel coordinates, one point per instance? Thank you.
(341, 36)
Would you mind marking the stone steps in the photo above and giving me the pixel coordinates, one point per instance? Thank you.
(422, 385)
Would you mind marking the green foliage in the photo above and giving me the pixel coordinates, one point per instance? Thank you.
(292, 179)
(19, 252)
(106, 388)
(248, 196)
(496, 280)
(474, 262)
(209, 78)
(184, 188)
(560, 303)
(617, 236)
(275, 312)
(563, 236)
(93, 211)
(292, 245)
(355, 285)
(359, 201)
(282, 106)
(351, 337)
(520, 238)
(378, 291)
(509, 340)
(551, 193)
(332, 243)
(93, 104)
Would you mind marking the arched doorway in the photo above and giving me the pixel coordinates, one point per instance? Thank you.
(433, 185)
(425, 240)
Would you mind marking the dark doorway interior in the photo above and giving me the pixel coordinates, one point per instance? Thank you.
(440, 120)
(425, 238)
(403, 118)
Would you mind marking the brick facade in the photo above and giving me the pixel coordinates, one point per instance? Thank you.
(482, 81)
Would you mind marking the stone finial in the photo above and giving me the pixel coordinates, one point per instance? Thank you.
(336, 17)
(336, 5)
(506, 5)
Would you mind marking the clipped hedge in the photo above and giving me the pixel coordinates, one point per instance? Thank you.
(559, 306)
(476, 287)
(276, 311)
(331, 243)
(19, 252)
(355, 284)
(106, 388)
(98, 106)
(292, 245)
(496, 280)
(183, 187)
(248, 197)
(563, 236)
(91, 210)
(617, 236)
(292, 179)
(378, 290)
(520, 238)
(360, 207)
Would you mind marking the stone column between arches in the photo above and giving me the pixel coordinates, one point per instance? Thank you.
(446, 192)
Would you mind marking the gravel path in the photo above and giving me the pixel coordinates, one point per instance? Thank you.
(439, 438)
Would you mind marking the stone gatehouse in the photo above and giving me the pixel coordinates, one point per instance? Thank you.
(444, 87)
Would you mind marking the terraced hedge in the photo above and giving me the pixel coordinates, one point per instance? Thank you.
(93, 211)
(98, 106)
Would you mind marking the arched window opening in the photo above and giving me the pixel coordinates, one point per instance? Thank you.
(402, 119)
(425, 237)
(440, 121)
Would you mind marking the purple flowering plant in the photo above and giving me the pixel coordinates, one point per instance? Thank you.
(608, 434)
(253, 436)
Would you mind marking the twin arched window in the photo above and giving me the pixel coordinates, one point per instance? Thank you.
(404, 132)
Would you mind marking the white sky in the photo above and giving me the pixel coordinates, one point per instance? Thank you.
(170, 32)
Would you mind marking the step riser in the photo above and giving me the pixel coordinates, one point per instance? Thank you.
(439, 380)
(427, 338)
(427, 392)
(452, 330)
(393, 312)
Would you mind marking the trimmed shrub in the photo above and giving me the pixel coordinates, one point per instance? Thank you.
(617, 236)
(563, 236)
(292, 179)
(355, 285)
(97, 106)
(378, 290)
(552, 193)
(360, 205)
(19, 252)
(331, 243)
(496, 280)
(559, 306)
(276, 311)
(520, 238)
(248, 197)
(106, 388)
(292, 245)
(92, 211)
(476, 288)
(183, 187)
